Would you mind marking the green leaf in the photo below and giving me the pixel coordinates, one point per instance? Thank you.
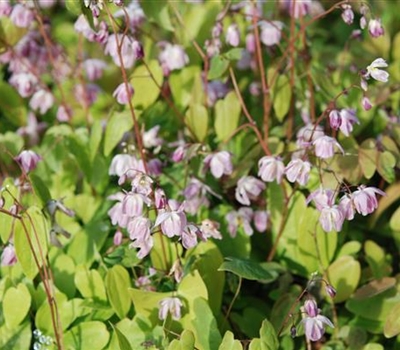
(74, 7)
(117, 126)
(40, 189)
(31, 243)
(95, 139)
(229, 343)
(146, 90)
(158, 14)
(375, 257)
(186, 342)
(269, 340)
(248, 269)
(396, 47)
(197, 120)
(392, 323)
(204, 326)
(395, 220)
(344, 274)
(227, 113)
(218, 67)
(255, 344)
(63, 268)
(234, 54)
(367, 157)
(11, 104)
(87, 336)
(16, 305)
(386, 164)
(15, 338)
(373, 346)
(90, 284)
(10, 34)
(117, 285)
(375, 287)
(375, 308)
(123, 342)
(282, 95)
(181, 83)
(350, 248)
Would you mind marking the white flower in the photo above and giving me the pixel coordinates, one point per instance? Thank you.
(376, 73)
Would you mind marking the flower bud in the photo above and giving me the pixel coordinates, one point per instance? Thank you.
(330, 290)
(28, 160)
(293, 331)
(366, 103)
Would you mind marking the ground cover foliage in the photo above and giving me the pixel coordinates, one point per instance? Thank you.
(199, 175)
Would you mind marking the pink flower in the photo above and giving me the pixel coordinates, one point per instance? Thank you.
(150, 137)
(210, 228)
(376, 73)
(346, 206)
(363, 22)
(179, 154)
(132, 204)
(366, 103)
(118, 236)
(82, 26)
(331, 218)
(28, 160)
(8, 257)
(5, 8)
(298, 170)
(325, 147)
(25, 83)
(233, 35)
(335, 119)
(160, 198)
(172, 57)
(299, 8)
(195, 196)
(139, 232)
(42, 100)
(240, 218)
(364, 199)
(314, 322)
(172, 306)
(330, 290)
(271, 169)
(270, 32)
(250, 43)
(261, 220)
(172, 221)
(94, 68)
(307, 134)
(248, 188)
(322, 198)
(63, 114)
(348, 118)
(21, 16)
(122, 94)
(128, 50)
(220, 163)
(189, 235)
(347, 14)
(121, 163)
(375, 28)
(135, 14)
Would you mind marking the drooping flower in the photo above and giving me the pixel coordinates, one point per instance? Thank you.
(298, 170)
(170, 305)
(8, 257)
(220, 163)
(331, 218)
(121, 163)
(195, 196)
(240, 218)
(330, 290)
(308, 134)
(172, 57)
(123, 93)
(347, 14)
(173, 220)
(140, 233)
(322, 198)
(151, 139)
(271, 169)
(28, 160)
(233, 35)
(375, 28)
(41, 100)
(127, 47)
(270, 32)
(117, 239)
(25, 83)
(364, 199)
(94, 68)
(314, 323)
(132, 204)
(248, 188)
(134, 12)
(261, 220)
(335, 119)
(210, 228)
(325, 147)
(21, 16)
(297, 8)
(346, 206)
(348, 119)
(366, 103)
(376, 73)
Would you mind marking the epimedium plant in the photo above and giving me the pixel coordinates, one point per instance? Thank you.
(198, 175)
